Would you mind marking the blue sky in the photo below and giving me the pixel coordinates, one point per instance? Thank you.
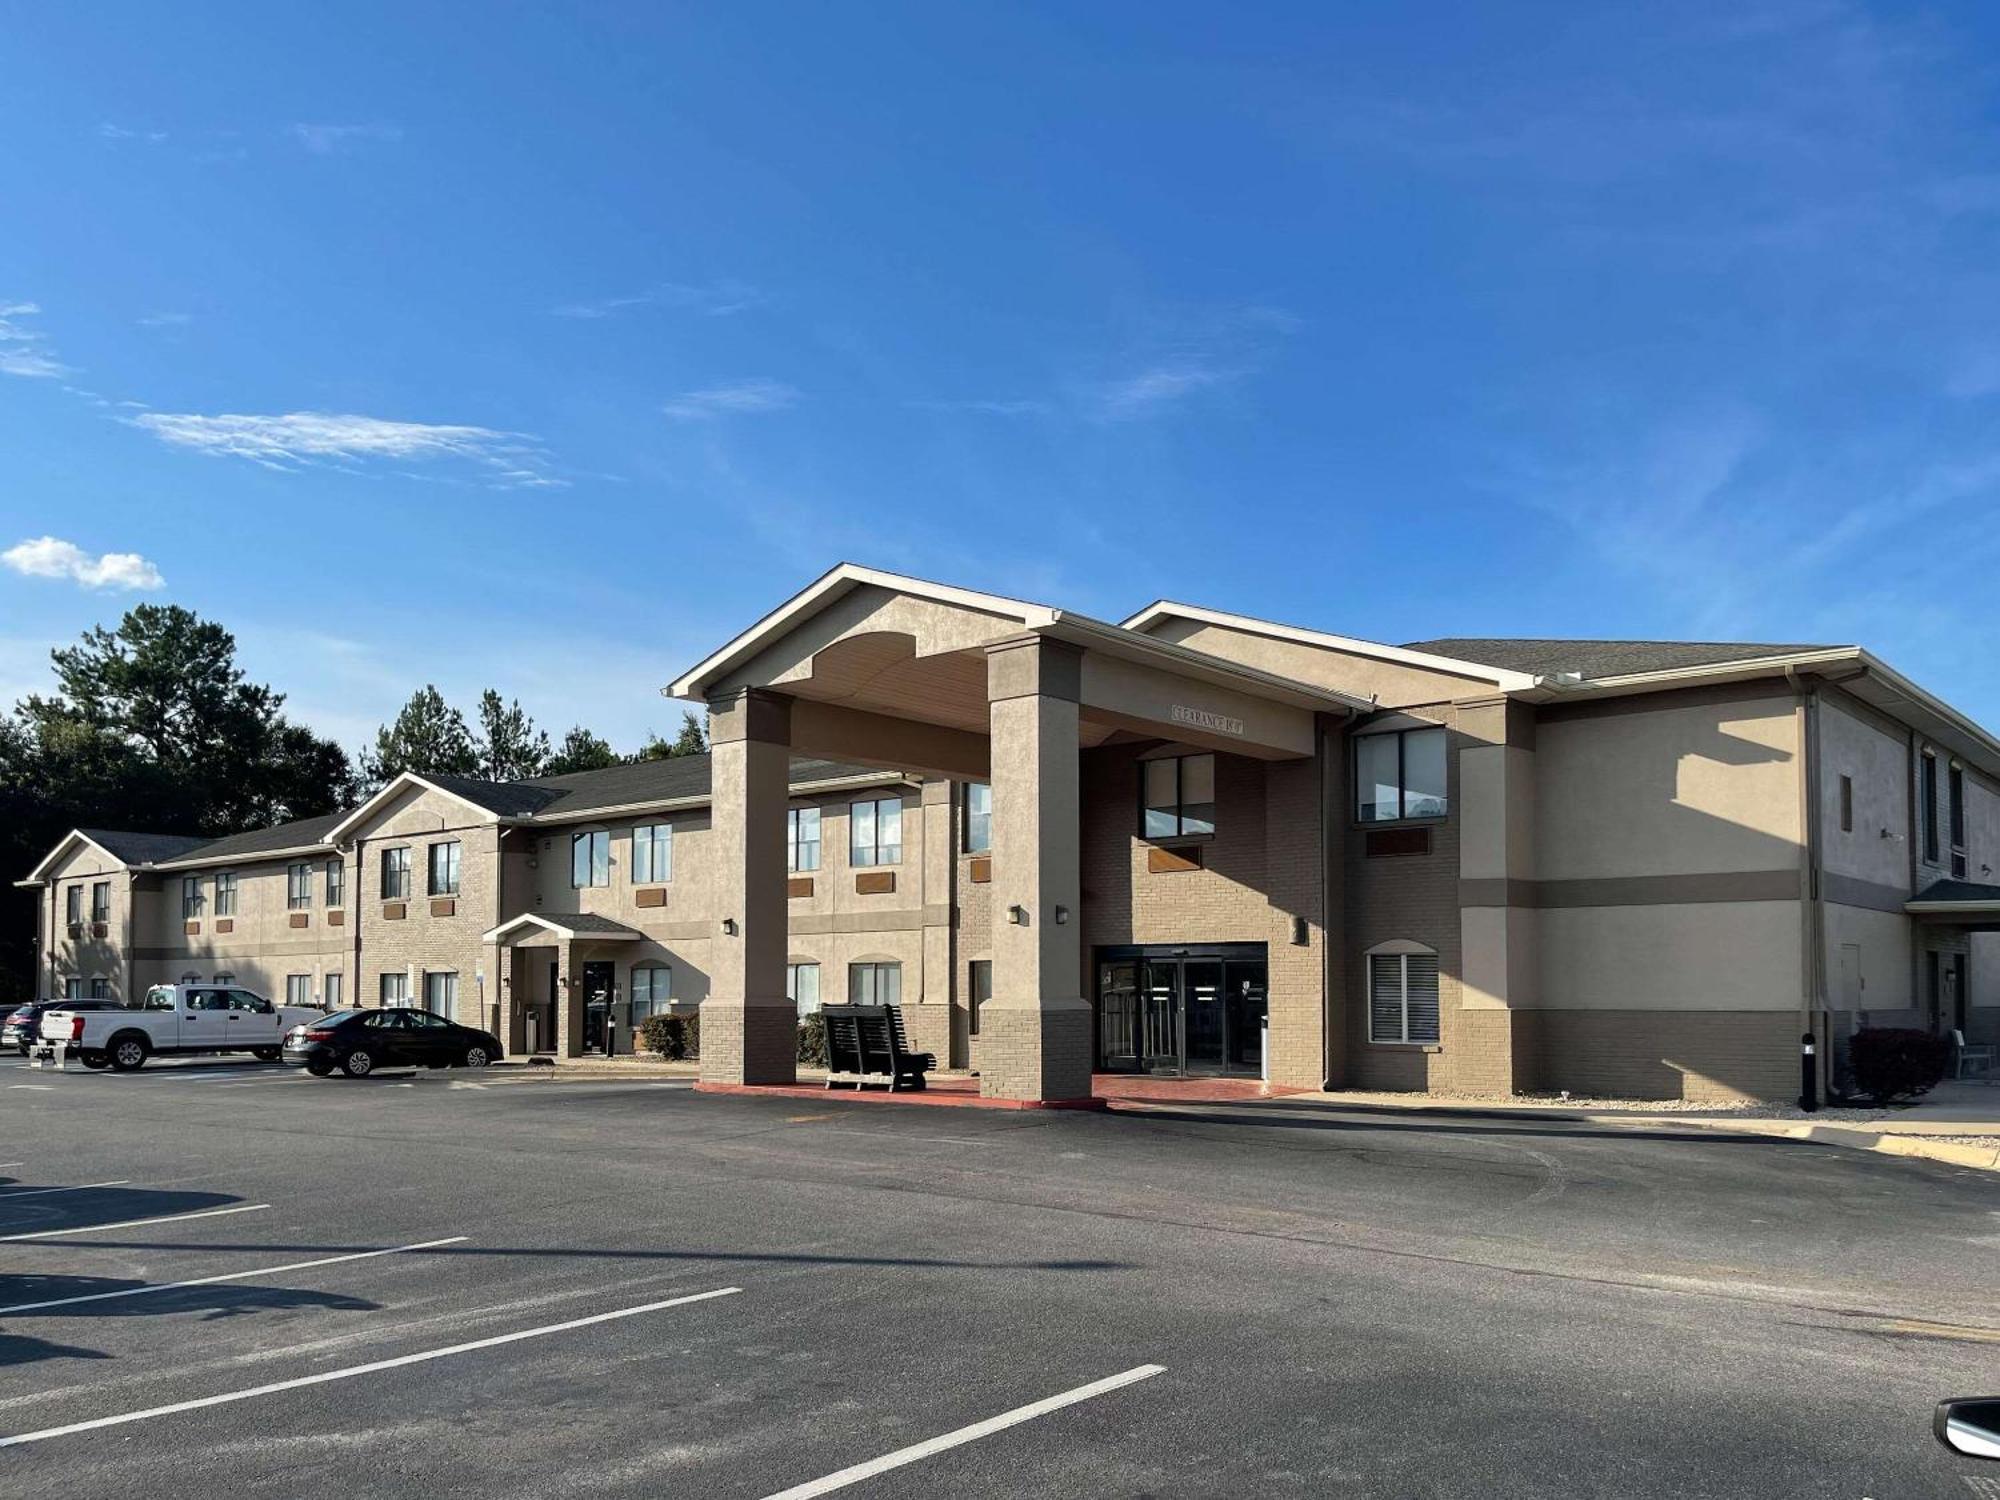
(547, 346)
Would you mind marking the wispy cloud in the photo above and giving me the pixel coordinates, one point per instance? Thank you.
(301, 438)
(716, 299)
(166, 320)
(329, 140)
(112, 132)
(736, 399)
(1151, 390)
(989, 407)
(52, 557)
(23, 350)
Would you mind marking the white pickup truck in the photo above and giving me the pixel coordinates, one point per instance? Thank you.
(174, 1020)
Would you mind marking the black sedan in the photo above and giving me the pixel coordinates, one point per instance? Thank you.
(23, 1026)
(357, 1042)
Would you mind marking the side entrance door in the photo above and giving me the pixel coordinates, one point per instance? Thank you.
(598, 981)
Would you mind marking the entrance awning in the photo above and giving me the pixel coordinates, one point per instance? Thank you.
(573, 927)
(1958, 903)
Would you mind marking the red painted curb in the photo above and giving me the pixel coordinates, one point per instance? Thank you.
(945, 1098)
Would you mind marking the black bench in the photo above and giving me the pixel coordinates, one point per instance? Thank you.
(866, 1044)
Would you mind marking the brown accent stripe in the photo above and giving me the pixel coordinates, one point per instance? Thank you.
(1847, 890)
(1634, 890)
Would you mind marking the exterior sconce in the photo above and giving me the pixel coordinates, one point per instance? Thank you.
(1018, 915)
(1062, 916)
(1298, 932)
(729, 927)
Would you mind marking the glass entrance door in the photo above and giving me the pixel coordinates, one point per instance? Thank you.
(1182, 1011)
(598, 979)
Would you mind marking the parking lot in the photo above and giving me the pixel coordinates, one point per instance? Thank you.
(227, 1278)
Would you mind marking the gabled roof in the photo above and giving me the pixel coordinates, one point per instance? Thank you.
(1955, 895)
(303, 835)
(567, 925)
(1541, 657)
(132, 850)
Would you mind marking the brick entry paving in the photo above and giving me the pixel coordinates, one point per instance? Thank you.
(1108, 1091)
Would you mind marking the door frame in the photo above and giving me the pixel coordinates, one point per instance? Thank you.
(1179, 954)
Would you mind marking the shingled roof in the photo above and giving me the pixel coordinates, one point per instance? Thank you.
(1596, 658)
(303, 833)
(140, 848)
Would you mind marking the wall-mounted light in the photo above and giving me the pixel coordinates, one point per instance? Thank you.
(729, 927)
(1018, 915)
(1298, 932)
(1062, 916)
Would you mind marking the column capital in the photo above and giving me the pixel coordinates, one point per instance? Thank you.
(750, 714)
(1033, 666)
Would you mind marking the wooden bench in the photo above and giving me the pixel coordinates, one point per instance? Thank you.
(866, 1044)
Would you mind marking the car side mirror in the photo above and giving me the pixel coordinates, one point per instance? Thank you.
(1970, 1425)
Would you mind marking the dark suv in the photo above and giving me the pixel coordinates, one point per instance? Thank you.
(23, 1026)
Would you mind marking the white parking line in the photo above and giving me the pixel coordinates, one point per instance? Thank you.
(80, 1187)
(174, 1286)
(206, 1213)
(356, 1370)
(963, 1435)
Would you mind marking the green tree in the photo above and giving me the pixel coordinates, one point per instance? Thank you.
(508, 745)
(581, 751)
(429, 737)
(692, 740)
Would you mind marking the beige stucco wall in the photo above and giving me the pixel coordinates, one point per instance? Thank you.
(1733, 955)
(1392, 684)
(261, 947)
(91, 950)
(421, 942)
(1853, 743)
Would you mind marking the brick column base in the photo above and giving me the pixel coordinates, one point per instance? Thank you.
(1038, 1052)
(749, 1043)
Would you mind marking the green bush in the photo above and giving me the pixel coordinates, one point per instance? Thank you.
(1892, 1063)
(675, 1038)
(812, 1039)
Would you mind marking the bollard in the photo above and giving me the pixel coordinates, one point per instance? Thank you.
(1808, 1074)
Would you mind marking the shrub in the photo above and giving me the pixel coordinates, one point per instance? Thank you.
(1893, 1063)
(675, 1038)
(812, 1039)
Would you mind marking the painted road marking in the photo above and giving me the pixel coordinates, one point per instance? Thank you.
(963, 1435)
(206, 1213)
(174, 1286)
(40, 1088)
(353, 1371)
(81, 1187)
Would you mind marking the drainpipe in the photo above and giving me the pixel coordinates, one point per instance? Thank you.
(1332, 921)
(354, 885)
(1813, 916)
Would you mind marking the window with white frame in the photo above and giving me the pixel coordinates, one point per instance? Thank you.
(444, 869)
(1403, 995)
(441, 993)
(298, 989)
(590, 858)
(330, 987)
(802, 987)
(874, 984)
(875, 831)
(1399, 774)
(298, 886)
(652, 853)
(100, 898)
(652, 991)
(72, 989)
(191, 897)
(1178, 796)
(395, 874)
(336, 882)
(978, 817)
(395, 990)
(225, 894)
(802, 839)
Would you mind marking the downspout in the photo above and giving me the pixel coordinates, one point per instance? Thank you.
(1332, 922)
(1813, 910)
(355, 1000)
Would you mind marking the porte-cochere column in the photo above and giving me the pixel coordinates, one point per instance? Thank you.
(749, 1029)
(1035, 1032)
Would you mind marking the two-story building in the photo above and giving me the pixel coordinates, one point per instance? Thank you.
(1193, 842)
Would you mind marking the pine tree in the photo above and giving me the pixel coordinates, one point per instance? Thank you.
(428, 737)
(508, 745)
(581, 751)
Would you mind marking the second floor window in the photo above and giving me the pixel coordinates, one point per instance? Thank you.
(1928, 793)
(298, 887)
(336, 882)
(652, 853)
(1399, 775)
(1179, 796)
(875, 831)
(73, 906)
(225, 894)
(978, 818)
(395, 874)
(802, 839)
(191, 901)
(1955, 805)
(100, 901)
(444, 869)
(590, 859)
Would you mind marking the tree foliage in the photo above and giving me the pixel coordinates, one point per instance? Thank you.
(581, 751)
(428, 737)
(692, 740)
(508, 746)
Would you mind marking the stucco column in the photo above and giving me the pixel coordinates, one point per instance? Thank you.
(749, 1030)
(1035, 1038)
(1494, 1045)
(569, 1003)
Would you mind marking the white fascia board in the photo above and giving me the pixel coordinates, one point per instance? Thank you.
(1989, 908)
(831, 585)
(40, 873)
(683, 804)
(554, 925)
(241, 857)
(338, 833)
(1116, 640)
(1163, 609)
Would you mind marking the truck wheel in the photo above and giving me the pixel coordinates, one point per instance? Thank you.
(358, 1063)
(93, 1059)
(127, 1054)
(266, 1054)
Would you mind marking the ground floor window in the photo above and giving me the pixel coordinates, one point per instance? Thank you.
(979, 989)
(333, 988)
(802, 987)
(1403, 997)
(652, 991)
(874, 984)
(72, 989)
(298, 989)
(395, 989)
(100, 989)
(441, 994)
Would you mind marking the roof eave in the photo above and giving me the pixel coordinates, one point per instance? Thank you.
(242, 857)
(1117, 640)
(402, 782)
(40, 874)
